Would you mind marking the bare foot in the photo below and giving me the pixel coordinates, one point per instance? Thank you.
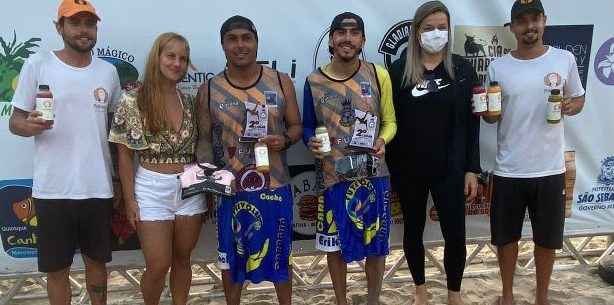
(419, 301)
(454, 298)
(542, 302)
(420, 298)
(502, 301)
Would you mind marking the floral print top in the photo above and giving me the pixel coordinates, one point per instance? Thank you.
(165, 147)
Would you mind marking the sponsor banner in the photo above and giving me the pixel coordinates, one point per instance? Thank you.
(576, 39)
(123, 62)
(18, 219)
(604, 62)
(394, 44)
(13, 53)
(599, 197)
(297, 50)
(481, 45)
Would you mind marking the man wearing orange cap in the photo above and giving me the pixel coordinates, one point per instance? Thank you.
(72, 187)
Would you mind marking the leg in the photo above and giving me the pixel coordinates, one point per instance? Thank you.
(96, 280)
(547, 214)
(507, 213)
(156, 242)
(507, 256)
(95, 242)
(186, 232)
(56, 232)
(413, 196)
(544, 261)
(58, 287)
(329, 241)
(450, 203)
(225, 241)
(232, 290)
(374, 266)
(338, 272)
(284, 290)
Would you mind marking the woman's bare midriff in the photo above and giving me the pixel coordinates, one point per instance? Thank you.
(169, 168)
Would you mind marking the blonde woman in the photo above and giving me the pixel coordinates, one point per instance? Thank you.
(436, 149)
(155, 124)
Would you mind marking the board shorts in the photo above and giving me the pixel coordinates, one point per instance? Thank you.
(354, 218)
(255, 235)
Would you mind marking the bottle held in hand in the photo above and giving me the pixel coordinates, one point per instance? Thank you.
(44, 103)
(261, 152)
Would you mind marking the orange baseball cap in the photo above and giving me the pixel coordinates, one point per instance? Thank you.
(70, 8)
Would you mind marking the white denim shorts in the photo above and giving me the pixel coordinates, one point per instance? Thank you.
(159, 197)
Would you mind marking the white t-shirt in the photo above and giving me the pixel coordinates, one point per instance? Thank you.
(71, 160)
(527, 146)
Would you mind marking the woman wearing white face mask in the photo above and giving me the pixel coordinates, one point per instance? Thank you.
(436, 149)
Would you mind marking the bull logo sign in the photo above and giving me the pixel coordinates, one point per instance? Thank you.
(472, 48)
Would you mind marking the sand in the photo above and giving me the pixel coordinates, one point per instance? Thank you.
(576, 285)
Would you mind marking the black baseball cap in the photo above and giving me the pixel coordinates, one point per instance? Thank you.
(340, 21)
(521, 7)
(237, 22)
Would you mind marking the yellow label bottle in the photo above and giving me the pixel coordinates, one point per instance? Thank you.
(553, 112)
(494, 100)
(261, 154)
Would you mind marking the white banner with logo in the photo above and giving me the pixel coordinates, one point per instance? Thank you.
(293, 39)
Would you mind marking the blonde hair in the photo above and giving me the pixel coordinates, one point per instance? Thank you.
(414, 68)
(150, 96)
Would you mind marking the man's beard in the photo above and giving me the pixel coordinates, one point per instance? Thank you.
(530, 41)
(78, 48)
(350, 59)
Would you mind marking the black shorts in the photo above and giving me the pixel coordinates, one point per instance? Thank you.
(543, 196)
(65, 225)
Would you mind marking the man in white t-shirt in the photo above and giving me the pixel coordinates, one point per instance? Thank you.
(530, 164)
(72, 187)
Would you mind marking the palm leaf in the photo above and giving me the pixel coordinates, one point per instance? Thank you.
(5, 47)
(14, 39)
(22, 50)
(31, 43)
(16, 47)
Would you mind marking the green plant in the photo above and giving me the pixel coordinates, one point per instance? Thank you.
(12, 57)
(12, 51)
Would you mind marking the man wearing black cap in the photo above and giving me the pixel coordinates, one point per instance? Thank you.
(352, 100)
(530, 164)
(242, 106)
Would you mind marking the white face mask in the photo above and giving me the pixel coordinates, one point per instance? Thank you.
(434, 41)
